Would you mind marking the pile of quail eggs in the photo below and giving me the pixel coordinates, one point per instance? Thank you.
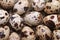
(29, 19)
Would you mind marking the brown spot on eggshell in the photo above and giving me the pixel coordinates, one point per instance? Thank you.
(25, 8)
(2, 17)
(51, 11)
(23, 34)
(56, 10)
(58, 36)
(6, 14)
(47, 37)
(31, 33)
(52, 17)
(33, 3)
(15, 24)
(15, 10)
(48, 7)
(2, 35)
(42, 30)
(19, 2)
(39, 27)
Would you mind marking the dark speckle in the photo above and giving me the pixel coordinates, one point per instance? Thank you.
(37, 38)
(12, 18)
(47, 37)
(43, 35)
(39, 27)
(58, 36)
(51, 11)
(56, 10)
(25, 8)
(8, 4)
(6, 14)
(15, 24)
(23, 34)
(34, 16)
(48, 7)
(6, 28)
(33, 3)
(35, 19)
(31, 33)
(42, 30)
(19, 2)
(14, 10)
(25, 31)
(52, 17)
(2, 17)
(2, 35)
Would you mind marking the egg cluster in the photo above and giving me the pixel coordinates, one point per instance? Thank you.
(29, 19)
